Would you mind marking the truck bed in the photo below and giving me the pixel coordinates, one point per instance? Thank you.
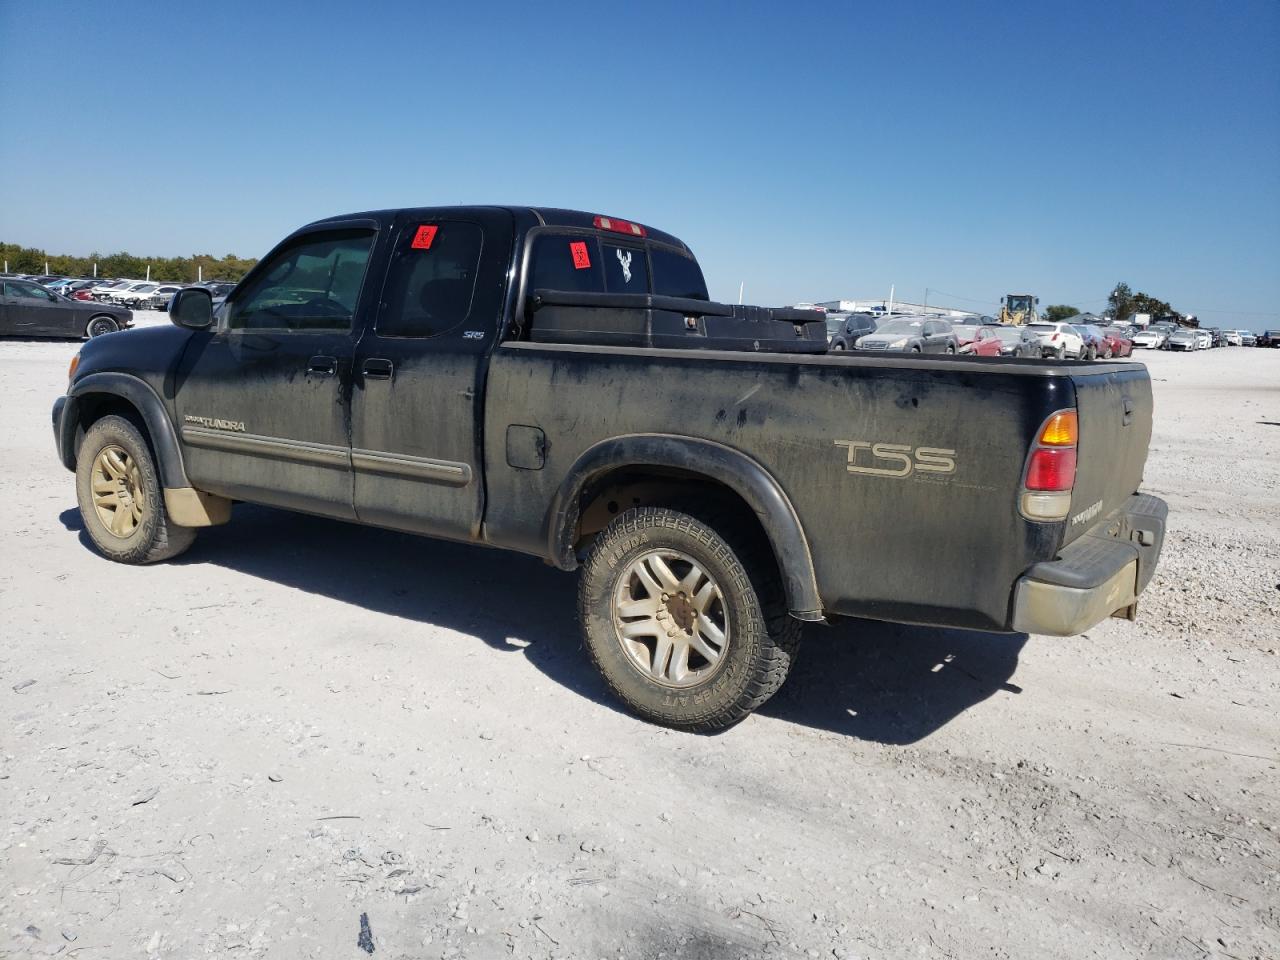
(868, 534)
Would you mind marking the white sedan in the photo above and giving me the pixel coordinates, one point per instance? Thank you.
(1059, 340)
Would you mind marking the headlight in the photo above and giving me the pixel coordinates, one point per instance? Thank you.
(899, 343)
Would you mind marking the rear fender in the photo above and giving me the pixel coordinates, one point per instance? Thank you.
(717, 463)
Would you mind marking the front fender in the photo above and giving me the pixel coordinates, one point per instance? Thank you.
(164, 439)
(716, 462)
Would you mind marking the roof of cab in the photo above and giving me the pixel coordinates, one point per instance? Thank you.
(549, 216)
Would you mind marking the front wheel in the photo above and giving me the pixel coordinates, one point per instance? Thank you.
(99, 326)
(688, 628)
(951, 348)
(120, 497)
(838, 345)
(1093, 352)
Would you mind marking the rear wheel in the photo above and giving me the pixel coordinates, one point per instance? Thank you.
(101, 325)
(121, 501)
(951, 348)
(1107, 355)
(1062, 351)
(1092, 353)
(915, 349)
(838, 345)
(688, 626)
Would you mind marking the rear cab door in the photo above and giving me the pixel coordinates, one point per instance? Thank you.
(418, 385)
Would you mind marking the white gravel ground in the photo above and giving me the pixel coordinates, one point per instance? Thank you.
(301, 722)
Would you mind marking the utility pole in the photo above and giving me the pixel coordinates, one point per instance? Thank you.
(891, 289)
(741, 287)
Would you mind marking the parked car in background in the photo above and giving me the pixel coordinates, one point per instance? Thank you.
(1095, 344)
(1017, 341)
(1231, 338)
(81, 289)
(1060, 340)
(1204, 339)
(985, 341)
(1248, 338)
(1118, 342)
(159, 300)
(104, 287)
(852, 326)
(1151, 339)
(29, 310)
(910, 334)
(133, 295)
(1184, 339)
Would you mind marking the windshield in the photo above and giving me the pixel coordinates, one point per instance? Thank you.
(1046, 327)
(902, 326)
(1019, 303)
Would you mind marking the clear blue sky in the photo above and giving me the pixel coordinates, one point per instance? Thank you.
(812, 151)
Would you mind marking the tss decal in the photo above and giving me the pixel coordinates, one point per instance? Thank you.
(896, 460)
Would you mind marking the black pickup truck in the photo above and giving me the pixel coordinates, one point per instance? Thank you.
(559, 384)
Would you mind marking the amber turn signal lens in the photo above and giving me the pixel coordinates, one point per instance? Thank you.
(75, 362)
(1062, 430)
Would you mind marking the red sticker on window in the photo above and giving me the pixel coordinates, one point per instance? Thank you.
(581, 259)
(422, 239)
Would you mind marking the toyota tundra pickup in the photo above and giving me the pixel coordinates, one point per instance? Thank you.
(559, 384)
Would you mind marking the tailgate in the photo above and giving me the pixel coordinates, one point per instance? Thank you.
(1115, 429)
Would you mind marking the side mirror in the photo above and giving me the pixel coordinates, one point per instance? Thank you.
(192, 308)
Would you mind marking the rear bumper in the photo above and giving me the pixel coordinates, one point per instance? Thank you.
(1099, 575)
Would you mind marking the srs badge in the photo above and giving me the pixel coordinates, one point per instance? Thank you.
(897, 460)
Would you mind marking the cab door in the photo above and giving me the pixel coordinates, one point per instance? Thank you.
(262, 399)
(418, 383)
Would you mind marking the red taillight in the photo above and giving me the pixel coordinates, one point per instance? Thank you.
(618, 226)
(1054, 337)
(1052, 468)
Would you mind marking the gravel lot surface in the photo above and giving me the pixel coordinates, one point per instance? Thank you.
(303, 723)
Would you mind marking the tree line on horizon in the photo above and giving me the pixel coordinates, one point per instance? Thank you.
(1122, 304)
(177, 269)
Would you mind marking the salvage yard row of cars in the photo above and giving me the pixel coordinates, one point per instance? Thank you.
(977, 336)
(983, 336)
(50, 306)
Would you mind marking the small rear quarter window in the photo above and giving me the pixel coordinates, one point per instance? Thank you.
(677, 274)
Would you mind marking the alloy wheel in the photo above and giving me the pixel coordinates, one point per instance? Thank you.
(117, 491)
(670, 619)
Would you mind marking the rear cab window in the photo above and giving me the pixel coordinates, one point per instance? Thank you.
(586, 262)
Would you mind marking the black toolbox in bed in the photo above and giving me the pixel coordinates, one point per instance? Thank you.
(645, 320)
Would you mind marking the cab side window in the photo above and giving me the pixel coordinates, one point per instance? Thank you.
(566, 262)
(431, 283)
(28, 290)
(314, 284)
(677, 275)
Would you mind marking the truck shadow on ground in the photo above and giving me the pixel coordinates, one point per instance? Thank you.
(874, 681)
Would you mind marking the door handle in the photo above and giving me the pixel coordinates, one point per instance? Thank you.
(376, 368)
(325, 366)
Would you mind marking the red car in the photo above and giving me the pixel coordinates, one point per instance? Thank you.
(1118, 345)
(977, 341)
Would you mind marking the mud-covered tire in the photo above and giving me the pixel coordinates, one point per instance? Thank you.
(153, 536)
(763, 638)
